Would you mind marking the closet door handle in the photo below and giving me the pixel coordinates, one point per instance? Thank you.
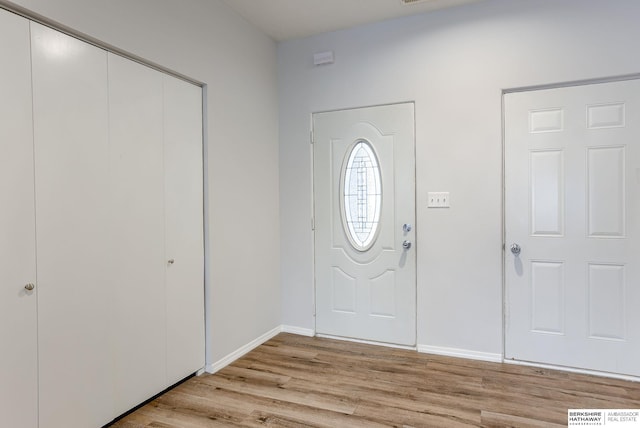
(29, 287)
(171, 261)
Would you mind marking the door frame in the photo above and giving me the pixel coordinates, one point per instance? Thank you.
(313, 226)
(505, 307)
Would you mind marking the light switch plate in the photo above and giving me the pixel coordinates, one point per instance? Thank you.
(438, 200)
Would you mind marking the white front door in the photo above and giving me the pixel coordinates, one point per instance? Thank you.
(572, 180)
(364, 196)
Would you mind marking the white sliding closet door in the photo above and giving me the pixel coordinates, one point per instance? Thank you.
(137, 203)
(184, 223)
(70, 105)
(101, 227)
(18, 328)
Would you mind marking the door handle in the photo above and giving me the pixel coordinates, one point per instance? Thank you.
(515, 249)
(29, 287)
(406, 244)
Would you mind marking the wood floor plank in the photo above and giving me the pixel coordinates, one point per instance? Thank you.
(491, 419)
(270, 410)
(297, 381)
(335, 403)
(425, 418)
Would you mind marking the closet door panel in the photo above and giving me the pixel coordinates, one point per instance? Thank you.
(184, 227)
(70, 106)
(18, 318)
(137, 204)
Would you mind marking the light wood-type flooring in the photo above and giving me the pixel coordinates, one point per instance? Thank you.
(296, 381)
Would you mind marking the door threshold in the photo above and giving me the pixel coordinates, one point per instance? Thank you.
(610, 375)
(368, 342)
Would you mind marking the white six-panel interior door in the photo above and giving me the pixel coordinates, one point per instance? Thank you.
(364, 197)
(572, 196)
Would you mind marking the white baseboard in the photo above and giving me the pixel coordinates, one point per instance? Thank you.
(230, 358)
(224, 362)
(427, 349)
(460, 353)
(298, 330)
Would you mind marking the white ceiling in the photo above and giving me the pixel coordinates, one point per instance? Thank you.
(292, 19)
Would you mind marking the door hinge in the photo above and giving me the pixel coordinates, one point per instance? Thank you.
(313, 223)
(311, 136)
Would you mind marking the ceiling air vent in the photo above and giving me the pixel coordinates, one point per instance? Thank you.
(412, 1)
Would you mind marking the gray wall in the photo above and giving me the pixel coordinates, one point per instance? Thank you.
(454, 64)
(205, 40)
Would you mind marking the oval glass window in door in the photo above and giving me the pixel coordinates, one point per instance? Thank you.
(362, 195)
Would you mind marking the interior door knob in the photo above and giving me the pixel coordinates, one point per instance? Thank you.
(515, 249)
(406, 245)
(29, 287)
(171, 261)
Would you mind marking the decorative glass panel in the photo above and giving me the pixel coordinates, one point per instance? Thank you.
(362, 195)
